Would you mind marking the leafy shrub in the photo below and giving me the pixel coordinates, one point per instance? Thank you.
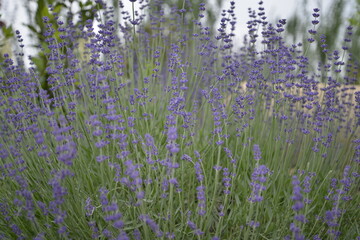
(153, 130)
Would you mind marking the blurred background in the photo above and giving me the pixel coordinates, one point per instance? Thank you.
(335, 16)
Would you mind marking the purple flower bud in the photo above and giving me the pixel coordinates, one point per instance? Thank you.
(315, 22)
(191, 225)
(312, 32)
(311, 40)
(257, 152)
(300, 218)
(119, 224)
(173, 148)
(97, 132)
(152, 224)
(253, 224)
(172, 134)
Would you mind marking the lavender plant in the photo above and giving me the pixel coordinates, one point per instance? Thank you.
(151, 130)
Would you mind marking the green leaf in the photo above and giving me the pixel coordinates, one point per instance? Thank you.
(8, 31)
(41, 11)
(32, 28)
(58, 7)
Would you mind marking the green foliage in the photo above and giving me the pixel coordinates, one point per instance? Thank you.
(355, 21)
(211, 11)
(7, 34)
(333, 25)
(38, 28)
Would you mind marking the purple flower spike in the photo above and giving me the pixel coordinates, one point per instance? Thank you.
(258, 177)
(298, 206)
(152, 224)
(172, 134)
(257, 152)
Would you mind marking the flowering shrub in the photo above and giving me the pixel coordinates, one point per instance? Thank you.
(160, 128)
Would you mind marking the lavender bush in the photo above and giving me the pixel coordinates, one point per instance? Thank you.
(161, 128)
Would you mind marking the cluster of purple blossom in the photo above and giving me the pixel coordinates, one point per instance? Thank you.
(139, 123)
